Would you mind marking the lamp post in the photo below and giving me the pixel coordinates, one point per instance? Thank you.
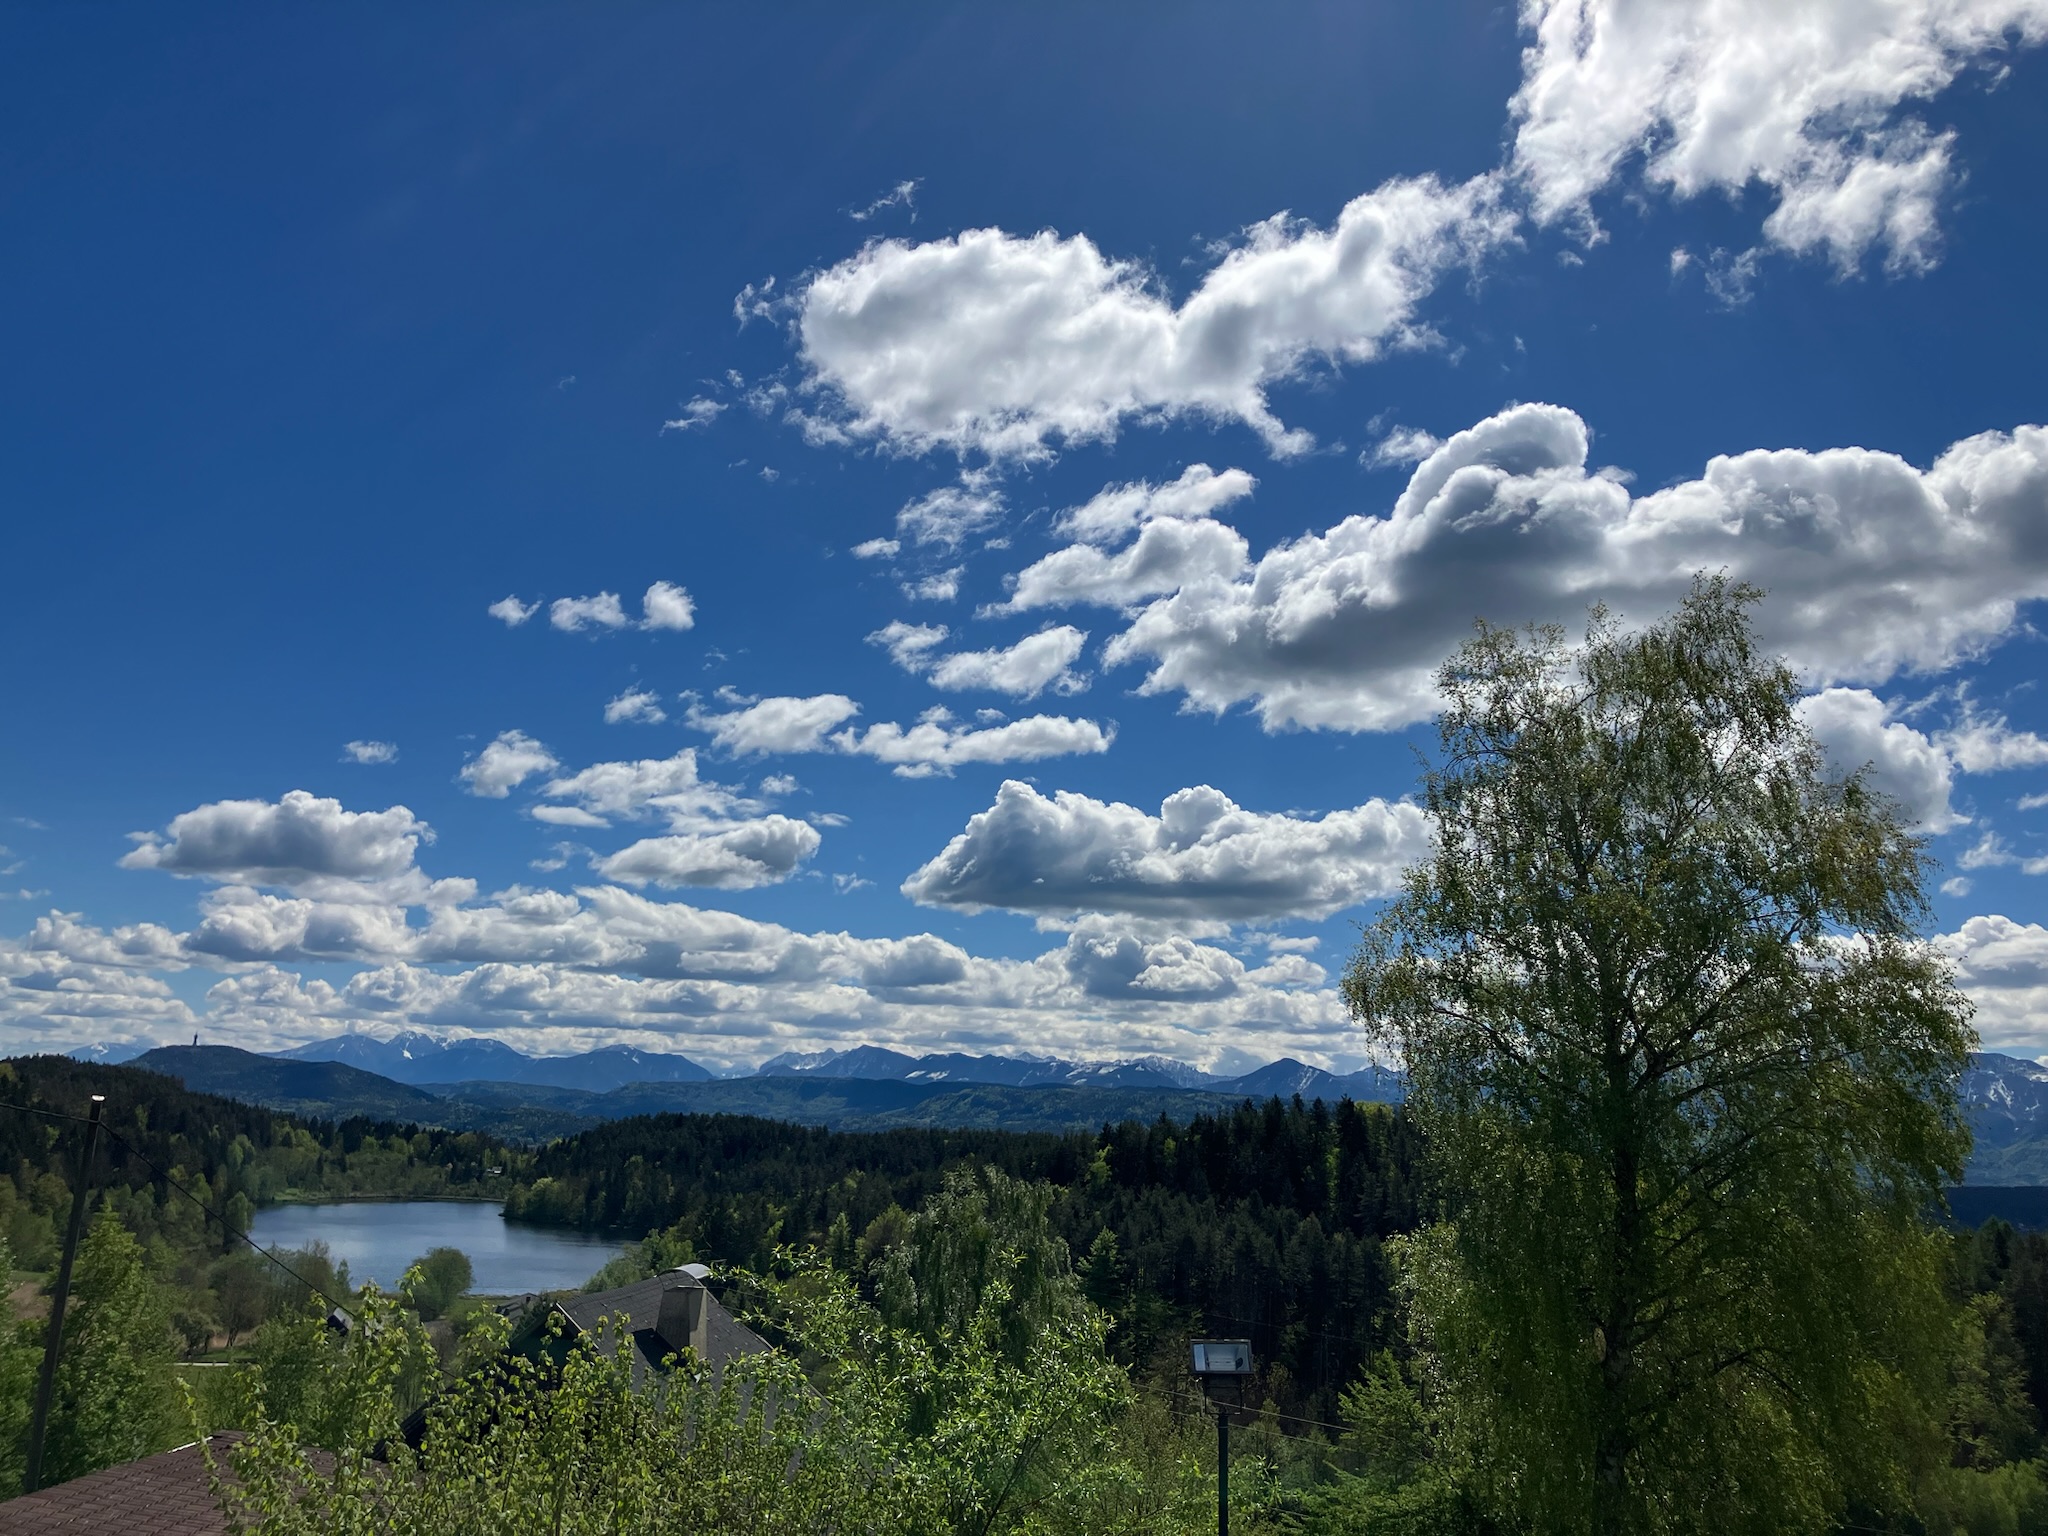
(1217, 1361)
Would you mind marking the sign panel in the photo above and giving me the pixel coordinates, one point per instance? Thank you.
(1223, 1357)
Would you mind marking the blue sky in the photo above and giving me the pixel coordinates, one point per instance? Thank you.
(1209, 371)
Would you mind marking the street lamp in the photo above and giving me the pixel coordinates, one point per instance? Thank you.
(1218, 1361)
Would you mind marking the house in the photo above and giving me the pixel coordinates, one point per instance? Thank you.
(672, 1312)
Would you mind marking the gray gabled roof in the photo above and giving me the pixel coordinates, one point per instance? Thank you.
(723, 1337)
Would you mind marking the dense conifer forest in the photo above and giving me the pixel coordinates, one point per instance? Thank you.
(1265, 1223)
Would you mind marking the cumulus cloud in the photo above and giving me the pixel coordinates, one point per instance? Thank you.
(666, 606)
(669, 786)
(775, 725)
(877, 549)
(2002, 964)
(1004, 345)
(934, 746)
(1201, 858)
(1874, 568)
(731, 859)
(1177, 543)
(604, 611)
(513, 611)
(370, 752)
(1167, 554)
(909, 645)
(1401, 445)
(555, 970)
(1806, 99)
(637, 704)
(1857, 730)
(509, 761)
(299, 841)
(939, 587)
(1116, 510)
(1024, 670)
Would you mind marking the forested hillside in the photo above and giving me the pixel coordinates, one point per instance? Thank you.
(236, 1156)
(1266, 1222)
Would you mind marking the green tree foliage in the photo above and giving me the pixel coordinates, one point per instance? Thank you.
(19, 1359)
(1685, 1078)
(436, 1280)
(939, 1417)
(1267, 1222)
(113, 1397)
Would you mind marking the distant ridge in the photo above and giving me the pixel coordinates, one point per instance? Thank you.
(420, 1059)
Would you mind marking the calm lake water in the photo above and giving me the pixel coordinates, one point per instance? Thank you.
(379, 1238)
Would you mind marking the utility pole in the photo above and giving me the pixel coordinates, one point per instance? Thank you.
(1222, 1470)
(53, 1341)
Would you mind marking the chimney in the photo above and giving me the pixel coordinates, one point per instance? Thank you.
(682, 1321)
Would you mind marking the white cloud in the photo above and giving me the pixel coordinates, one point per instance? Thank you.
(300, 841)
(909, 645)
(700, 411)
(934, 747)
(1874, 568)
(777, 724)
(1167, 554)
(575, 613)
(1987, 744)
(939, 587)
(2033, 802)
(779, 784)
(1024, 670)
(1956, 886)
(1856, 728)
(552, 971)
(666, 606)
(1401, 445)
(1992, 852)
(637, 704)
(951, 513)
(370, 752)
(1003, 345)
(877, 549)
(1801, 96)
(1177, 543)
(1116, 510)
(731, 859)
(670, 786)
(509, 761)
(902, 195)
(2003, 967)
(513, 611)
(1201, 858)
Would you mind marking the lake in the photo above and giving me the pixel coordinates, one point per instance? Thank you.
(379, 1238)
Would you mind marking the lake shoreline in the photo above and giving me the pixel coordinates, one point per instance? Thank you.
(379, 1238)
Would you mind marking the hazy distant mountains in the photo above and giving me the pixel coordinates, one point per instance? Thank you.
(421, 1059)
(872, 1063)
(485, 1084)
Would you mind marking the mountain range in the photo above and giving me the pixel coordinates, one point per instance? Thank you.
(484, 1084)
